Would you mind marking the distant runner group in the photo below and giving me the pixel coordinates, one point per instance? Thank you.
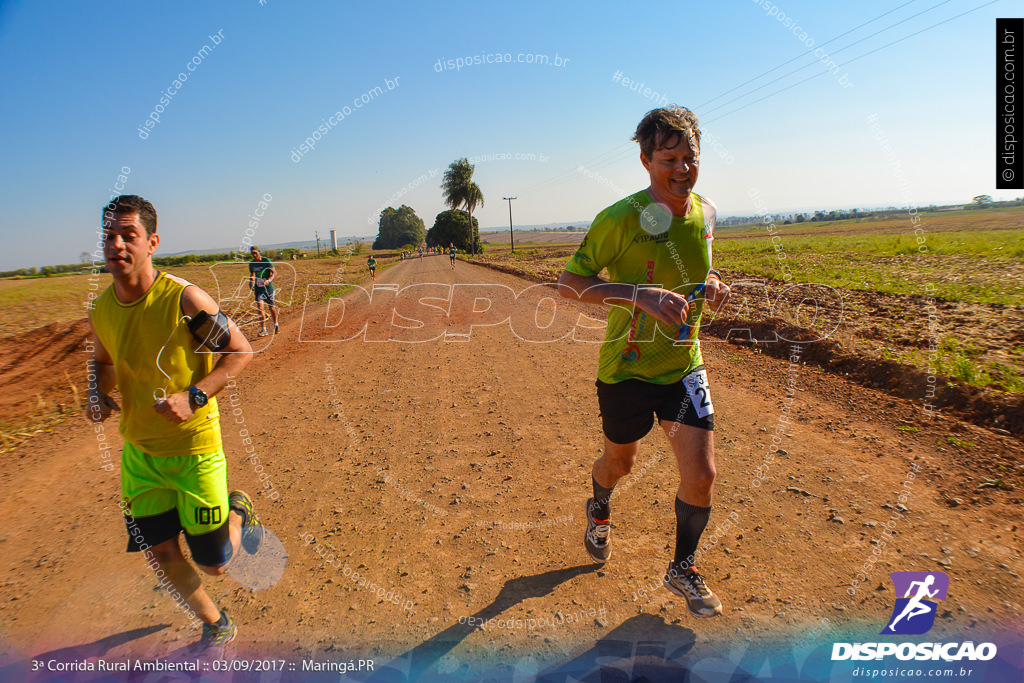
(452, 252)
(157, 338)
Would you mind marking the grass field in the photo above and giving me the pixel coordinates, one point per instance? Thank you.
(897, 222)
(34, 302)
(529, 237)
(973, 264)
(971, 255)
(976, 266)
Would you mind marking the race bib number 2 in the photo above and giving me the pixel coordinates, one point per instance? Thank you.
(700, 393)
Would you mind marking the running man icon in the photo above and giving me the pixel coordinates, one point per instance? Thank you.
(918, 591)
(915, 607)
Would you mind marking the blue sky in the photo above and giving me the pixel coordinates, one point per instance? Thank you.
(80, 79)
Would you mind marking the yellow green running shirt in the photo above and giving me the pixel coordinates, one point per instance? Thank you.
(628, 238)
(136, 335)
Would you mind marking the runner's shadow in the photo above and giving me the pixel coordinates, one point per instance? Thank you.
(427, 653)
(18, 671)
(642, 648)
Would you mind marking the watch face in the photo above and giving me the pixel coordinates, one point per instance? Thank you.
(198, 396)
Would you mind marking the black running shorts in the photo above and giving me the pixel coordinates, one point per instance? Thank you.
(211, 549)
(628, 408)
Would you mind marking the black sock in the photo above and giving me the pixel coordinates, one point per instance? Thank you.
(601, 507)
(223, 621)
(690, 523)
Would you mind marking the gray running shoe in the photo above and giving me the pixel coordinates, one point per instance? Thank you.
(252, 530)
(215, 637)
(689, 584)
(596, 540)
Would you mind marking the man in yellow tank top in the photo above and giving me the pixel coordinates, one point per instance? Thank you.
(155, 340)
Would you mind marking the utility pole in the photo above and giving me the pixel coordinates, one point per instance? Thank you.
(317, 243)
(511, 237)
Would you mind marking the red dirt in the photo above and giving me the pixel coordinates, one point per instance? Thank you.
(368, 443)
(33, 366)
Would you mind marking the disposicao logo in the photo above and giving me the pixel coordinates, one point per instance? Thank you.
(914, 614)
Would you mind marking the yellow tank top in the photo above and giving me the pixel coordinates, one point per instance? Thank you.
(134, 334)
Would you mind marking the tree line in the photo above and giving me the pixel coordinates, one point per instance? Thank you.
(401, 228)
(87, 265)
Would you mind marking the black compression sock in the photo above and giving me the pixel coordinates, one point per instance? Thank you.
(601, 507)
(690, 523)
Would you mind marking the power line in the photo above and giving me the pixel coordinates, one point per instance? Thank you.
(511, 236)
(871, 52)
(830, 40)
(558, 180)
(619, 156)
(846, 47)
(568, 175)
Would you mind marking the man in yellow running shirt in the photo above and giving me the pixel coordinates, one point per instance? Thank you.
(656, 247)
(155, 339)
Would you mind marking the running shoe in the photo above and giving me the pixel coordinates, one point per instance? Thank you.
(277, 328)
(689, 584)
(263, 333)
(252, 530)
(216, 636)
(596, 539)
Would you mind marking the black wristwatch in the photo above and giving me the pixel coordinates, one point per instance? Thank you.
(714, 272)
(197, 397)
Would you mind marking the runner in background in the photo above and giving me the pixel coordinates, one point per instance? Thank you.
(261, 278)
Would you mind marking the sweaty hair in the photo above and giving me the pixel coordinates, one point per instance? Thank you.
(665, 128)
(128, 204)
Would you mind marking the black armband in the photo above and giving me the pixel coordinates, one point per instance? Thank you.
(213, 332)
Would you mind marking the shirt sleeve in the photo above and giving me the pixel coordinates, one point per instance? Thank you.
(600, 247)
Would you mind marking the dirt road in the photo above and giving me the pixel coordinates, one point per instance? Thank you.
(452, 474)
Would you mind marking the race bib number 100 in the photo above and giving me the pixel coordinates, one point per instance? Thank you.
(700, 393)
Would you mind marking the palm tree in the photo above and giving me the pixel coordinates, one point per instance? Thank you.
(460, 190)
(455, 181)
(474, 198)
